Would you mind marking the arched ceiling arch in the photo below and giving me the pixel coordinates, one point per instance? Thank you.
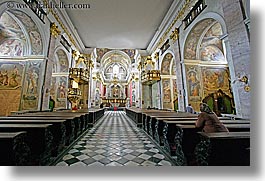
(62, 62)
(13, 37)
(166, 64)
(204, 42)
(19, 27)
(115, 58)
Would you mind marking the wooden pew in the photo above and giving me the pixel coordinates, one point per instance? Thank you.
(79, 118)
(95, 115)
(171, 134)
(58, 130)
(152, 123)
(224, 149)
(14, 150)
(149, 114)
(71, 122)
(158, 124)
(92, 115)
(39, 139)
(186, 138)
(139, 115)
(135, 115)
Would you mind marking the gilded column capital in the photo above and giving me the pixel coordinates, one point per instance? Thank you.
(54, 30)
(156, 57)
(174, 35)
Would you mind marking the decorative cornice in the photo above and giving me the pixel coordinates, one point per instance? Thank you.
(180, 16)
(58, 19)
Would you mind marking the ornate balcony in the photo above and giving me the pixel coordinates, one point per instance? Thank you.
(79, 75)
(150, 77)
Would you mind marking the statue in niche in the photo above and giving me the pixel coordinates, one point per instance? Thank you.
(97, 97)
(133, 96)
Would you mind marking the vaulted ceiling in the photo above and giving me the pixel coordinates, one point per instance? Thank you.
(118, 24)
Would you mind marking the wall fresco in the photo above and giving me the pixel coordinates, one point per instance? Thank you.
(214, 79)
(166, 94)
(62, 60)
(165, 67)
(211, 46)
(9, 28)
(193, 83)
(175, 89)
(62, 91)
(194, 37)
(11, 74)
(100, 53)
(174, 68)
(33, 32)
(12, 39)
(32, 85)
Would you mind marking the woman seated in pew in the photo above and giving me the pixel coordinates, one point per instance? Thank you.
(208, 121)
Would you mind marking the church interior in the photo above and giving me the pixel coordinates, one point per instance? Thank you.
(107, 83)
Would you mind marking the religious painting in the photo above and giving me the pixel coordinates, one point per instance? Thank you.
(115, 91)
(211, 48)
(216, 78)
(175, 89)
(194, 37)
(12, 48)
(9, 29)
(9, 23)
(174, 68)
(62, 88)
(165, 67)
(36, 41)
(63, 60)
(53, 87)
(166, 93)
(62, 91)
(193, 82)
(130, 53)
(32, 85)
(32, 29)
(100, 53)
(11, 74)
(212, 53)
(212, 37)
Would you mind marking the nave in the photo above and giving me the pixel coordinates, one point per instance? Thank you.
(115, 141)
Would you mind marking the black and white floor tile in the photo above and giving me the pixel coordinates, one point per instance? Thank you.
(115, 141)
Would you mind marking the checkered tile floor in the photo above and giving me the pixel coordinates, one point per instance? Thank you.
(115, 141)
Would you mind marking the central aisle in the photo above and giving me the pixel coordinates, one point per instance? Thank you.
(115, 141)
